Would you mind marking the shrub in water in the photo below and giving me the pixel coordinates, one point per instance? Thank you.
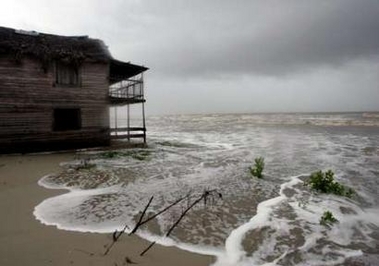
(110, 154)
(258, 167)
(328, 219)
(141, 155)
(324, 183)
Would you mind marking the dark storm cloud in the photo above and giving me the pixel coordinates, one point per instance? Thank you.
(262, 37)
(217, 37)
(230, 55)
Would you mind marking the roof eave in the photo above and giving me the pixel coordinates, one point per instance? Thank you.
(120, 70)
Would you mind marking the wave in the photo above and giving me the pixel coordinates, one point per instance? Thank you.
(315, 119)
(301, 240)
(270, 221)
(285, 228)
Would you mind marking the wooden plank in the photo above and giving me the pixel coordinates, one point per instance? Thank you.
(124, 129)
(124, 101)
(126, 136)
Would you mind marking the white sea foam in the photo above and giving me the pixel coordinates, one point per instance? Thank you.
(205, 154)
(53, 211)
(234, 253)
(342, 233)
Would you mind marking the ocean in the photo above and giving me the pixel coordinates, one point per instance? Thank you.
(270, 221)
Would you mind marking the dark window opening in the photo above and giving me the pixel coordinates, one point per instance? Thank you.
(67, 74)
(67, 119)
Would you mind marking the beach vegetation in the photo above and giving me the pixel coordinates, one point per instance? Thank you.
(328, 219)
(258, 167)
(173, 144)
(110, 154)
(140, 155)
(324, 182)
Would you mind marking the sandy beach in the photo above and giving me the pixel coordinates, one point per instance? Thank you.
(25, 241)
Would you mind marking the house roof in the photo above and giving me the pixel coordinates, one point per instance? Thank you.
(48, 47)
(120, 70)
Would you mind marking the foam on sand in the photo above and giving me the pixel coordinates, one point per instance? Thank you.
(335, 243)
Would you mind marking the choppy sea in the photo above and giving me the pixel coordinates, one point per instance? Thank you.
(270, 221)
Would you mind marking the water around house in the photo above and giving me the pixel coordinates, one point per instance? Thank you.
(270, 221)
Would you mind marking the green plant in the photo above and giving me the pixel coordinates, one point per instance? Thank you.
(328, 219)
(141, 155)
(349, 192)
(110, 154)
(324, 183)
(258, 167)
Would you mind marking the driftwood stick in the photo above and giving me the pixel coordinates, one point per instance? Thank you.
(163, 210)
(146, 249)
(110, 246)
(203, 196)
(138, 224)
(116, 235)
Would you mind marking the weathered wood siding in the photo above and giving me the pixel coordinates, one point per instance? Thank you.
(28, 96)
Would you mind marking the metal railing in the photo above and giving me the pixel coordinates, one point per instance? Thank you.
(127, 89)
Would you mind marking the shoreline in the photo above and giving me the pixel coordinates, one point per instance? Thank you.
(26, 241)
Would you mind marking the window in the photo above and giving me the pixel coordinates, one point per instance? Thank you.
(67, 119)
(67, 74)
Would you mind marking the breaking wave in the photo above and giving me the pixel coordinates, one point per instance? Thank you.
(270, 221)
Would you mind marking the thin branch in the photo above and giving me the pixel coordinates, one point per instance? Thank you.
(116, 235)
(129, 261)
(113, 242)
(162, 211)
(203, 196)
(146, 249)
(138, 224)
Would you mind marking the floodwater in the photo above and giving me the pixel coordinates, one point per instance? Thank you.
(268, 221)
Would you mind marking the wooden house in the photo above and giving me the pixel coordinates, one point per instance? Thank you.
(55, 92)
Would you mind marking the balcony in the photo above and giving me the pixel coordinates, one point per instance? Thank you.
(127, 92)
(126, 88)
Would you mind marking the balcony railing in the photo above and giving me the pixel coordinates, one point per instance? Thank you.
(128, 90)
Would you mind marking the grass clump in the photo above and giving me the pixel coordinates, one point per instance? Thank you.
(110, 154)
(328, 219)
(258, 167)
(324, 183)
(172, 144)
(140, 155)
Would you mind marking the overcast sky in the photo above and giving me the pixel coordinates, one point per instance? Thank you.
(219, 56)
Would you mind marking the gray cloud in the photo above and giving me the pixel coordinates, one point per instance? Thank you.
(263, 37)
(179, 37)
(352, 88)
(230, 56)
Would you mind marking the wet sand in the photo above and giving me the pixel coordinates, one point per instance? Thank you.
(25, 241)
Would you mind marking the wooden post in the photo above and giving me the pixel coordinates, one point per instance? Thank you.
(143, 121)
(115, 118)
(128, 122)
(143, 110)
